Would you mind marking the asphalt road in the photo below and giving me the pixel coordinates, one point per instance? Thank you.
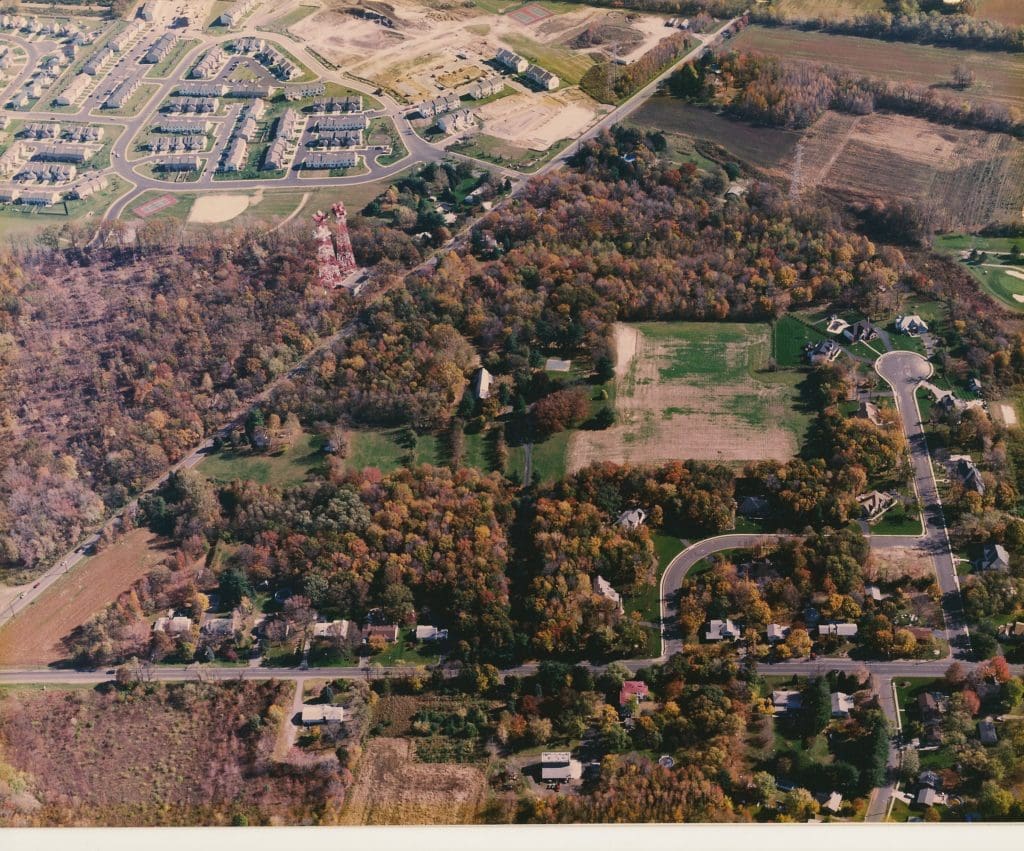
(904, 371)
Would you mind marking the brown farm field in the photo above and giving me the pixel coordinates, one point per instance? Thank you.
(34, 635)
(392, 788)
(969, 177)
(696, 390)
(181, 754)
(830, 10)
(1000, 75)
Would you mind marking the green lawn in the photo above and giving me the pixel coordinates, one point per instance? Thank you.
(491, 149)
(908, 689)
(789, 336)
(405, 651)
(287, 467)
(386, 450)
(20, 222)
(280, 25)
(891, 524)
(133, 104)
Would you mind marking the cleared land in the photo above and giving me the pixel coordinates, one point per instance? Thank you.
(211, 209)
(34, 635)
(287, 467)
(969, 177)
(1000, 75)
(391, 788)
(693, 390)
(538, 121)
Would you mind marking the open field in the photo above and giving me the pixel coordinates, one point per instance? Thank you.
(33, 636)
(287, 467)
(211, 209)
(969, 177)
(693, 390)
(1009, 12)
(1000, 75)
(175, 754)
(390, 788)
(764, 148)
(830, 10)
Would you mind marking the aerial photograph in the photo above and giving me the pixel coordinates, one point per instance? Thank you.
(511, 412)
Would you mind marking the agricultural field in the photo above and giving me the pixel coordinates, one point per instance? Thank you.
(34, 635)
(1000, 76)
(392, 788)
(692, 390)
(969, 177)
(162, 756)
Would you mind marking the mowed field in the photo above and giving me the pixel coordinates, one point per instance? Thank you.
(391, 788)
(1000, 76)
(694, 390)
(34, 635)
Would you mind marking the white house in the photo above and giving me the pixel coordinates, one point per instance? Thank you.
(911, 325)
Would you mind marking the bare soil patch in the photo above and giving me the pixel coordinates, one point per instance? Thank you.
(34, 635)
(891, 564)
(391, 788)
(538, 121)
(211, 209)
(688, 391)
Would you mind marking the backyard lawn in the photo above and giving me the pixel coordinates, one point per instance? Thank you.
(289, 466)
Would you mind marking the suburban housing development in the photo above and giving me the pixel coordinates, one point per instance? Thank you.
(538, 413)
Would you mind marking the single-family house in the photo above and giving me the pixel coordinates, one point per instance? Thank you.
(840, 630)
(974, 385)
(786, 700)
(1012, 631)
(722, 630)
(777, 632)
(967, 472)
(603, 588)
(842, 703)
(825, 351)
(389, 632)
(932, 779)
(832, 803)
(482, 383)
(632, 518)
(631, 689)
(861, 332)
(875, 503)
(987, 732)
(430, 633)
(332, 629)
(559, 767)
(994, 557)
(912, 325)
(321, 713)
(869, 411)
(926, 797)
(173, 625)
(753, 507)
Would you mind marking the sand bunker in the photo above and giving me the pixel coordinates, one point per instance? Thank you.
(1013, 273)
(210, 209)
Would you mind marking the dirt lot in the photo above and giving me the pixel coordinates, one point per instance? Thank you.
(691, 391)
(970, 177)
(537, 121)
(390, 788)
(1000, 75)
(891, 564)
(33, 636)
